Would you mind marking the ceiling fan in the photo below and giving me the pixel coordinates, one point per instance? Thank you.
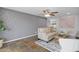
(48, 13)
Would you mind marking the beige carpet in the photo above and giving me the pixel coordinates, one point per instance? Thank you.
(24, 45)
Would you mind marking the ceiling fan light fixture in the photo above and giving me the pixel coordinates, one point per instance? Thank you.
(47, 15)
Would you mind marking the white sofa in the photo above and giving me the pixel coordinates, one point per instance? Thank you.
(69, 45)
(46, 34)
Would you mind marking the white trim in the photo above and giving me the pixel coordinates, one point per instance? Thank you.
(19, 38)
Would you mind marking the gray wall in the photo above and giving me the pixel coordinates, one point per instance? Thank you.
(20, 24)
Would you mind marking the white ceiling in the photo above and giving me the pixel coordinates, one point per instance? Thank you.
(38, 10)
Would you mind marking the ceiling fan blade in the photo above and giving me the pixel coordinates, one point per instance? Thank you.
(54, 12)
(46, 11)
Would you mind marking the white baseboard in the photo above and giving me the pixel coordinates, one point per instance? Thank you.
(19, 38)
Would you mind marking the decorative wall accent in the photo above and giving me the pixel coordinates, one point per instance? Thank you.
(67, 22)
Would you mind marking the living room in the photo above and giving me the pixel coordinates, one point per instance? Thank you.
(39, 29)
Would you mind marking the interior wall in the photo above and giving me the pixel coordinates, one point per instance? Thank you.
(19, 24)
(77, 23)
(73, 30)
